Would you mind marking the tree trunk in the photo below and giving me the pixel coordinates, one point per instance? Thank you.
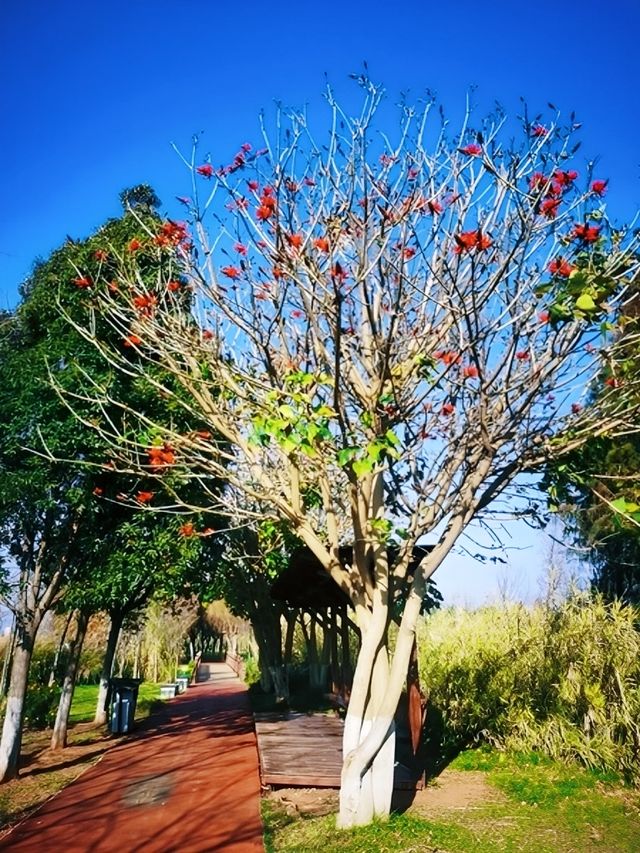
(14, 713)
(59, 736)
(56, 659)
(107, 667)
(369, 733)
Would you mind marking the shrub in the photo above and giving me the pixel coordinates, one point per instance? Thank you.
(41, 705)
(564, 681)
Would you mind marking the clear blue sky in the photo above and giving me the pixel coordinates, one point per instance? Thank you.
(94, 91)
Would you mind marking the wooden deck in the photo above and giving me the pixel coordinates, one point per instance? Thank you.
(306, 750)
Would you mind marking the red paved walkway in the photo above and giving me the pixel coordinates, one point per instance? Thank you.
(186, 781)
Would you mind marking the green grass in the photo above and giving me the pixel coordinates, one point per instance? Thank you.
(540, 806)
(85, 697)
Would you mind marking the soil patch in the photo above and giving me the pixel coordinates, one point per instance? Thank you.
(455, 790)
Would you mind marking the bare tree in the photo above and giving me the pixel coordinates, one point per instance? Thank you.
(387, 331)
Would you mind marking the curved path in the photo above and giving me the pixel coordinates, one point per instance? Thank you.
(187, 780)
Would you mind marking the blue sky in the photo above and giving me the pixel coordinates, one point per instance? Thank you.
(94, 93)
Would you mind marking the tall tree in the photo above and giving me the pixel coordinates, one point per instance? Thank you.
(50, 524)
(387, 331)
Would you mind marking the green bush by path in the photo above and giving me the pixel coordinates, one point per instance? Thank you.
(563, 681)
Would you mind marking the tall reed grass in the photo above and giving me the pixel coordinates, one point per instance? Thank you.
(562, 680)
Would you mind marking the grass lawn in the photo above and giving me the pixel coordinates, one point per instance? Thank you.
(529, 805)
(85, 697)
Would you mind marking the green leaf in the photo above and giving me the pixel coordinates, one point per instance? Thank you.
(585, 302)
(363, 466)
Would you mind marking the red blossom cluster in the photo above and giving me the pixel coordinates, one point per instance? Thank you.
(134, 245)
(560, 266)
(472, 150)
(83, 281)
(321, 244)
(231, 272)
(586, 233)
(161, 456)
(268, 205)
(145, 303)
(467, 241)
(144, 497)
(132, 341)
(448, 357)
(172, 234)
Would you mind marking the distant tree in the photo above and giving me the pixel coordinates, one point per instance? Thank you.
(386, 332)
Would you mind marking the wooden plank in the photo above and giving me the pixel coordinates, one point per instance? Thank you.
(306, 750)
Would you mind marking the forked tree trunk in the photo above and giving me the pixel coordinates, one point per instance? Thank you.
(369, 733)
(14, 712)
(59, 736)
(107, 668)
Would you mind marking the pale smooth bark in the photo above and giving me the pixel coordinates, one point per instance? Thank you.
(12, 726)
(60, 727)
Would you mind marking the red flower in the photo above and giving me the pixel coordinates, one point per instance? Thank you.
(408, 253)
(612, 382)
(549, 208)
(537, 181)
(564, 179)
(231, 272)
(82, 281)
(98, 491)
(473, 149)
(253, 186)
(187, 530)
(586, 233)
(204, 434)
(145, 303)
(575, 408)
(297, 314)
(132, 341)
(264, 212)
(523, 355)
(161, 455)
(560, 266)
(599, 187)
(413, 173)
(246, 147)
(206, 170)
(241, 249)
(100, 255)
(207, 335)
(321, 244)
(295, 240)
(544, 316)
(470, 371)
(448, 409)
(144, 497)
(448, 357)
(468, 240)
(173, 286)
(134, 245)
(539, 130)
(434, 207)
